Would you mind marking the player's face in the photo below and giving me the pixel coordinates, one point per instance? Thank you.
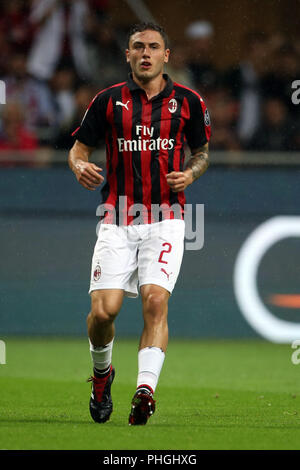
(147, 55)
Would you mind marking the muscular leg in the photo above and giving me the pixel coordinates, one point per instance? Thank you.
(155, 311)
(105, 306)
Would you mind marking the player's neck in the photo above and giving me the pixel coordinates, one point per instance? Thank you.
(152, 87)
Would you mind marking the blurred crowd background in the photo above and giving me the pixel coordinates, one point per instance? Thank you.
(57, 54)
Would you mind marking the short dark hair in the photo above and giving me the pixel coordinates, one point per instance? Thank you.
(140, 27)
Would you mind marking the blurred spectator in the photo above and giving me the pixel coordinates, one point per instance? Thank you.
(295, 136)
(275, 131)
(63, 87)
(106, 56)
(83, 96)
(6, 52)
(245, 81)
(285, 69)
(204, 72)
(57, 54)
(177, 66)
(223, 110)
(13, 133)
(275, 42)
(296, 43)
(34, 96)
(100, 8)
(60, 36)
(15, 25)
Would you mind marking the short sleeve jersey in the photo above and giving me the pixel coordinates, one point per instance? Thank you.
(145, 140)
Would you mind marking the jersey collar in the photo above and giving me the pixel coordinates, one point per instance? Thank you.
(133, 86)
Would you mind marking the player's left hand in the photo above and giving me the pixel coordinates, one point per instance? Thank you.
(179, 180)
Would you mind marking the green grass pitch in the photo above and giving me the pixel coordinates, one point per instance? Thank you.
(212, 394)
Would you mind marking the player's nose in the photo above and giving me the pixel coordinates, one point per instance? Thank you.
(146, 52)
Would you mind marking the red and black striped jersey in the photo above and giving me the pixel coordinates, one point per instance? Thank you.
(145, 140)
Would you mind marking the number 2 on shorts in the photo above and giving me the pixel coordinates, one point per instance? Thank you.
(160, 260)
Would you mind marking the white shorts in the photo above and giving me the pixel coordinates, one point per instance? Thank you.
(128, 256)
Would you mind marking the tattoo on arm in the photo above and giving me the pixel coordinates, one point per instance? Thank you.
(199, 162)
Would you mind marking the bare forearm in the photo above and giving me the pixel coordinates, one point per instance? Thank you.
(195, 167)
(87, 173)
(198, 162)
(79, 153)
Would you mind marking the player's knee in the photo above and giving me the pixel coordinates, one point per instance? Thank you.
(102, 314)
(155, 306)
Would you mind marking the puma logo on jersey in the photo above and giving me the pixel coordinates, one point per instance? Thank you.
(125, 105)
(165, 272)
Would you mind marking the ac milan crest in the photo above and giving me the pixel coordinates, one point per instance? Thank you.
(97, 273)
(172, 105)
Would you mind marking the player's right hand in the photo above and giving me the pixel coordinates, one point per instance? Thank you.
(87, 175)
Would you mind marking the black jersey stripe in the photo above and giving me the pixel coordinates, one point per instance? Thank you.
(182, 153)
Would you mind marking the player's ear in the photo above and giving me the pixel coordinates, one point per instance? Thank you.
(167, 55)
(127, 55)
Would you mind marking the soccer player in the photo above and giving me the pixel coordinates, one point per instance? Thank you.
(145, 122)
